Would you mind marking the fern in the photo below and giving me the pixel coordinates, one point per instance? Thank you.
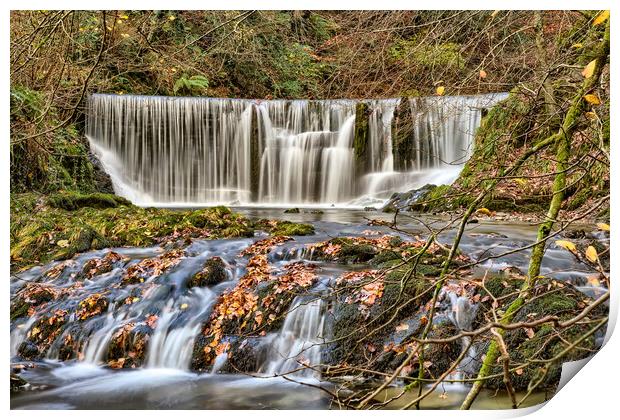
(192, 85)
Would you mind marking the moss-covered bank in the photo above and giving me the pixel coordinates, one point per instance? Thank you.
(505, 132)
(45, 228)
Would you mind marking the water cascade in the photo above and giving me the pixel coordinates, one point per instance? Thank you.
(297, 344)
(202, 151)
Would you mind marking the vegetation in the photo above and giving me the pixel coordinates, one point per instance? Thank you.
(403, 306)
(62, 224)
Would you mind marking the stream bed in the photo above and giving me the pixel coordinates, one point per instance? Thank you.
(165, 381)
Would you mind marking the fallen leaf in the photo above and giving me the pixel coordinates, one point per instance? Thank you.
(63, 243)
(603, 226)
(483, 74)
(529, 332)
(566, 245)
(485, 211)
(590, 115)
(601, 18)
(594, 281)
(591, 254)
(588, 71)
(592, 99)
(440, 90)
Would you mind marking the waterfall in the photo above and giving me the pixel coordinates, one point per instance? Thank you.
(440, 143)
(298, 342)
(171, 345)
(462, 314)
(204, 151)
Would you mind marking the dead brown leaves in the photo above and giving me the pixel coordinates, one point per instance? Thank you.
(93, 305)
(264, 246)
(98, 266)
(57, 270)
(368, 285)
(150, 267)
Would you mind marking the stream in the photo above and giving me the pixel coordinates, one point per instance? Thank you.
(165, 380)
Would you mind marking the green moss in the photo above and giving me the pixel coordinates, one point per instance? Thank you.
(390, 257)
(48, 233)
(356, 253)
(500, 286)
(361, 137)
(546, 341)
(213, 272)
(286, 228)
(74, 200)
(19, 309)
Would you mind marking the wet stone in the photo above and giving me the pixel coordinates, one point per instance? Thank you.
(213, 272)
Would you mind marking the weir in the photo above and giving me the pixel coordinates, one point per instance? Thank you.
(205, 151)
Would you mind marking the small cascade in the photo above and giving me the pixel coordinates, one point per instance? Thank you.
(171, 345)
(96, 347)
(298, 342)
(203, 151)
(152, 322)
(18, 334)
(462, 314)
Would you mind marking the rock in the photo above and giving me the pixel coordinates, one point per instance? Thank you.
(213, 272)
(31, 295)
(93, 305)
(200, 361)
(244, 355)
(286, 228)
(28, 350)
(292, 210)
(18, 383)
(102, 179)
(128, 346)
(543, 341)
(405, 200)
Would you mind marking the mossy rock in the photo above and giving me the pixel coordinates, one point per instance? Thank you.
(130, 343)
(28, 350)
(245, 354)
(49, 233)
(441, 355)
(42, 335)
(547, 342)
(388, 256)
(200, 361)
(75, 200)
(353, 331)
(212, 273)
(19, 309)
(397, 274)
(357, 253)
(286, 228)
(31, 295)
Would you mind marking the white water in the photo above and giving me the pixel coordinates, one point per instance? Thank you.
(297, 344)
(462, 314)
(202, 151)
